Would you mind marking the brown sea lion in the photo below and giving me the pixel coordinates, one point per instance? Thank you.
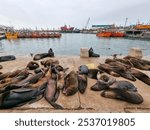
(52, 93)
(138, 63)
(129, 96)
(49, 62)
(122, 71)
(140, 75)
(82, 83)
(71, 84)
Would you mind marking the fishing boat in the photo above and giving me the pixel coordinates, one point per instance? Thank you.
(104, 34)
(11, 35)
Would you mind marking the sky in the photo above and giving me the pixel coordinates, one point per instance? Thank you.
(53, 14)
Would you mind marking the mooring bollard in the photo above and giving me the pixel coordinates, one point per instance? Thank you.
(136, 52)
(84, 52)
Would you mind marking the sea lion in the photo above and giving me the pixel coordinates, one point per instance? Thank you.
(10, 74)
(43, 55)
(7, 58)
(32, 65)
(129, 96)
(92, 73)
(138, 63)
(103, 83)
(140, 75)
(21, 96)
(122, 90)
(71, 84)
(51, 93)
(82, 83)
(49, 62)
(122, 71)
(9, 85)
(106, 68)
(92, 54)
(83, 69)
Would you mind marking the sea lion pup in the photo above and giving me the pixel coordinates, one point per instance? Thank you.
(92, 54)
(122, 71)
(138, 63)
(32, 65)
(82, 83)
(20, 96)
(49, 62)
(52, 93)
(60, 80)
(141, 76)
(43, 55)
(7, 58)
(71, 84)
(103, 82)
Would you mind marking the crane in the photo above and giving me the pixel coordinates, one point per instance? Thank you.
(87, 23)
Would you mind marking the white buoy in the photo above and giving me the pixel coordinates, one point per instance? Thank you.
(136, 52)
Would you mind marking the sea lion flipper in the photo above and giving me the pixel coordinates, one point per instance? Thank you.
(55, 105)
(56, 96)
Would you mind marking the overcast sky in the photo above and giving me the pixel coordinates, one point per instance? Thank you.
(55, 13)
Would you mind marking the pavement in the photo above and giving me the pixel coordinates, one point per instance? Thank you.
(90, 101)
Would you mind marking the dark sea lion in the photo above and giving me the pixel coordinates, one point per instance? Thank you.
(44, 55)
(82, 83)
(141, 76)
(92, 53)
(71, 84)
(49, 62)
(21, 96)
(92, 73)
(129, 96)
(51, 93)
(83, 69)
(32, 65)
(7, 58)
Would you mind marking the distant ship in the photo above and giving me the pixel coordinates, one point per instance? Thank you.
(66, 29)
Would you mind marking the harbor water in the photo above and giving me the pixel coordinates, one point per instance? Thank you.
(70, 43)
